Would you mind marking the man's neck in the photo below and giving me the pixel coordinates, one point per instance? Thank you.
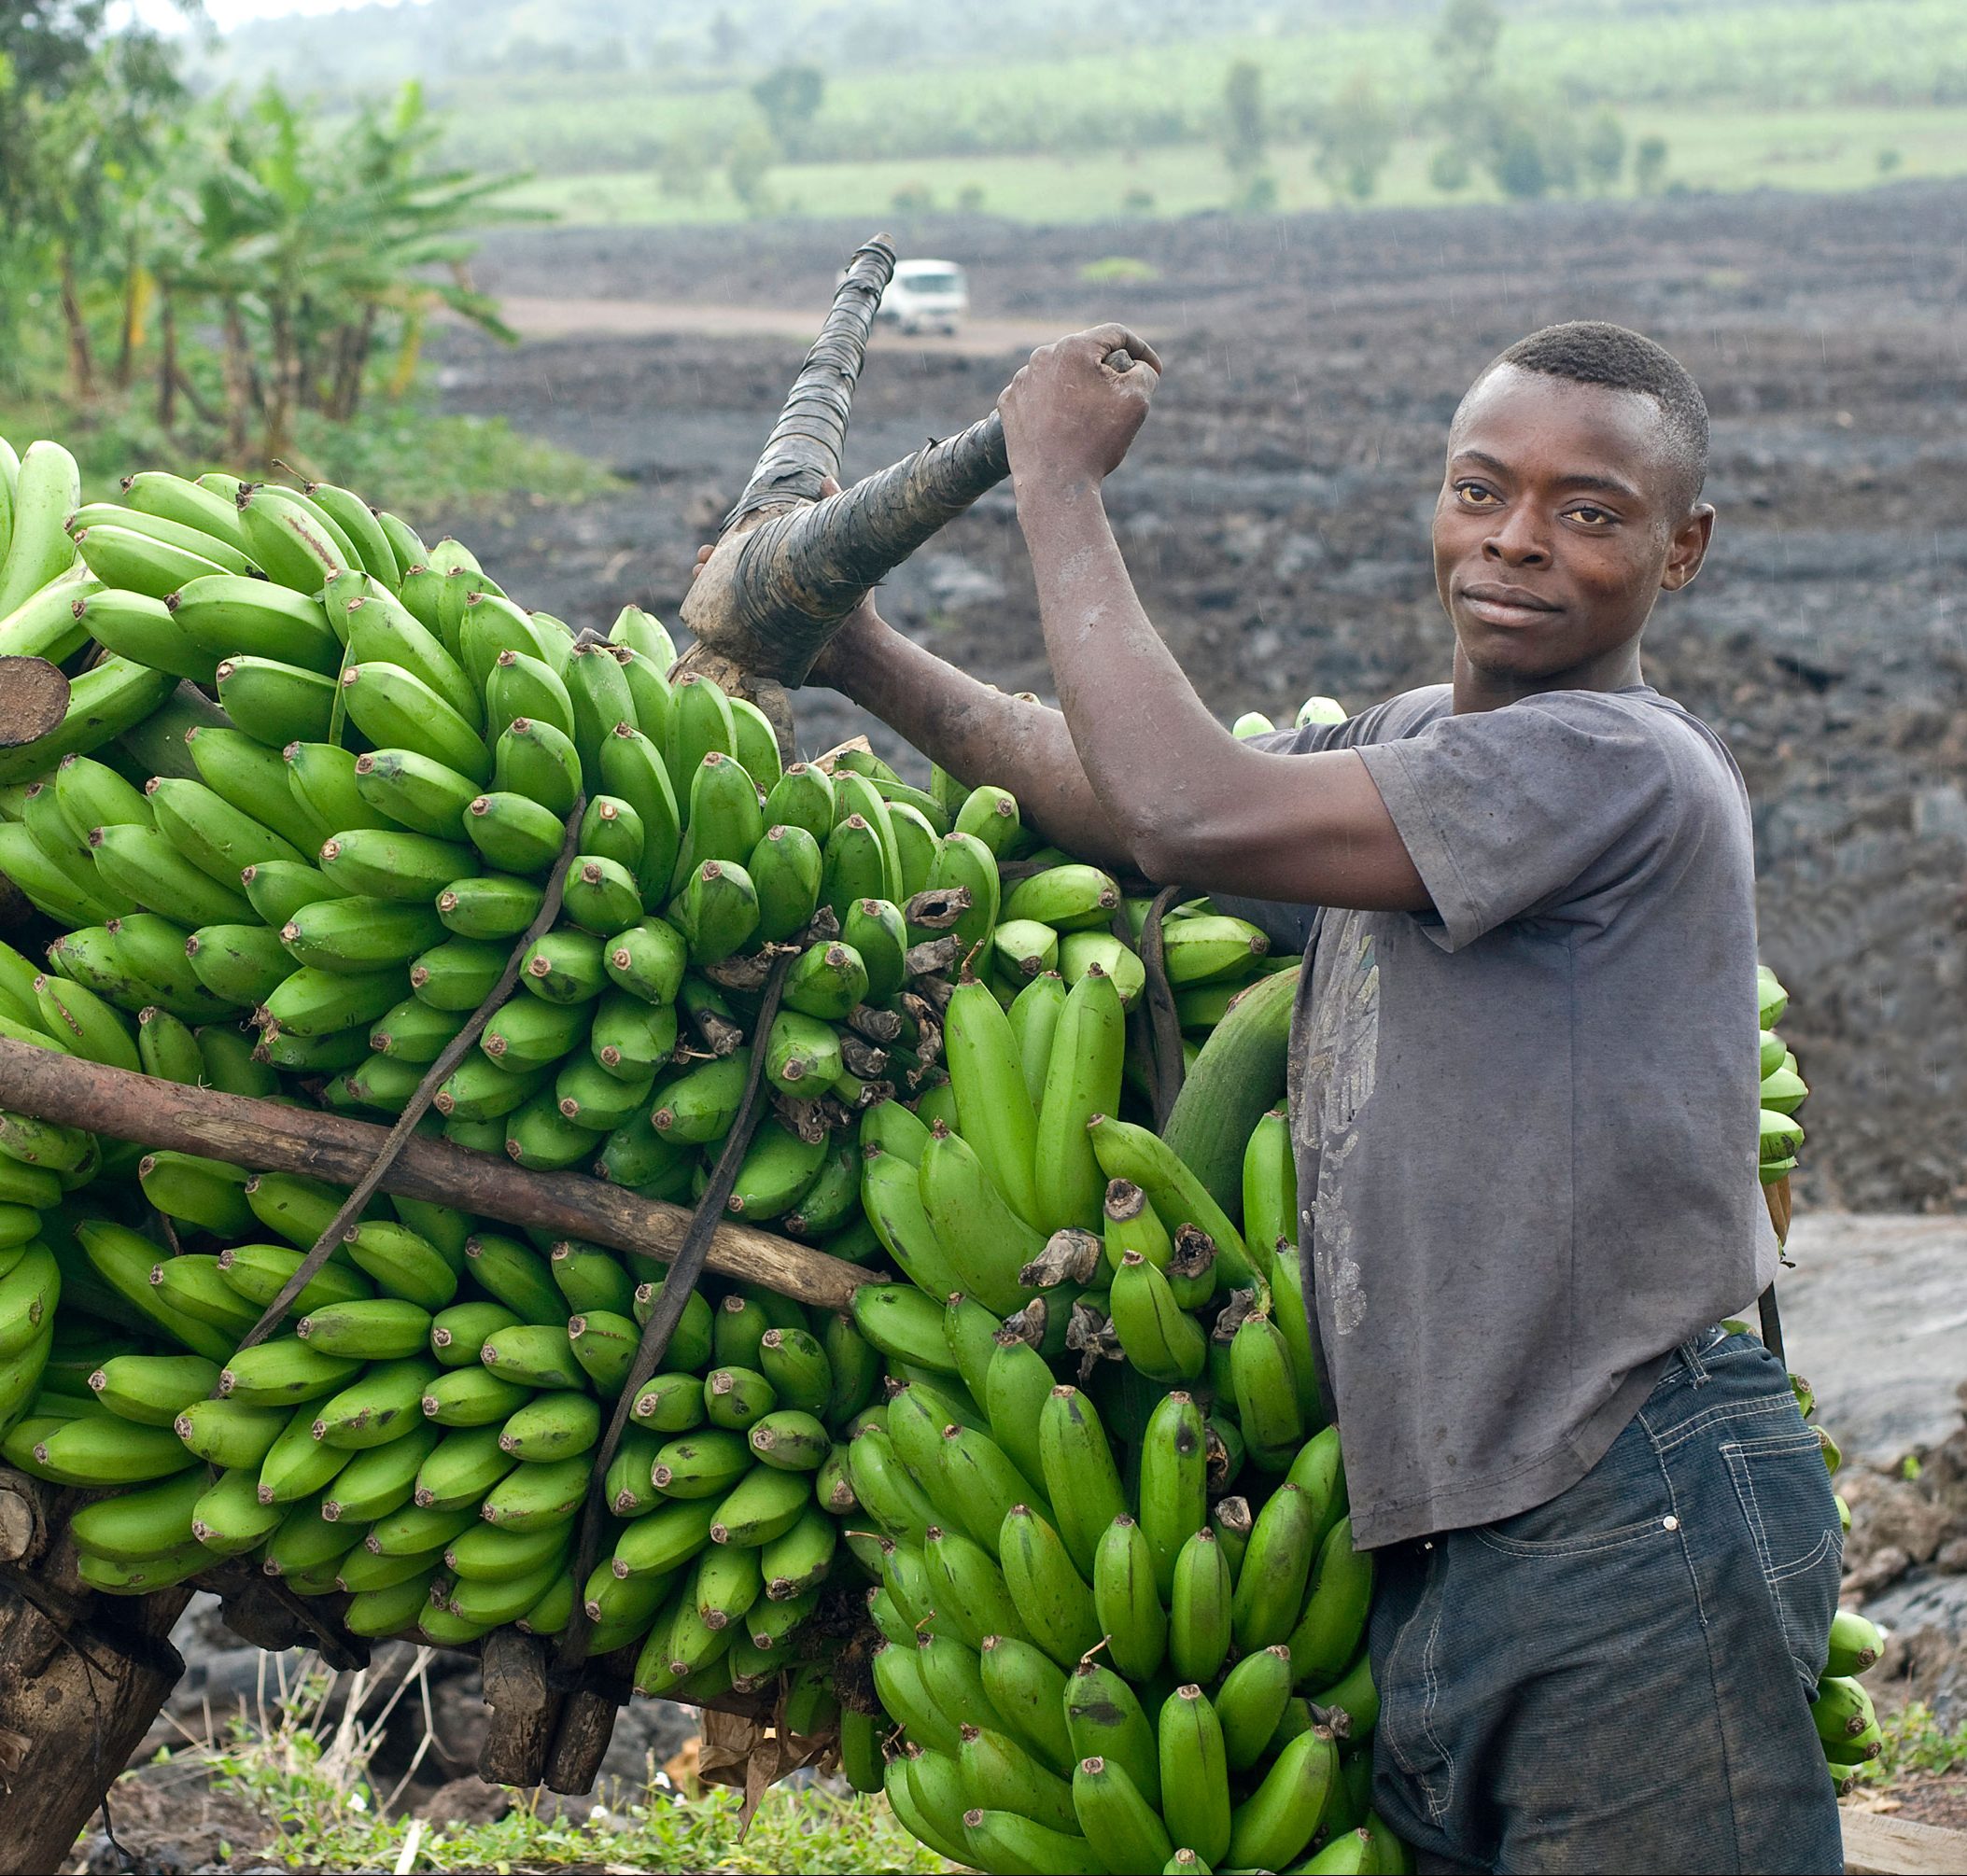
(1476, 690)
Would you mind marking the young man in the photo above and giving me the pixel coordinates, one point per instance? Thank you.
(1523, 1100)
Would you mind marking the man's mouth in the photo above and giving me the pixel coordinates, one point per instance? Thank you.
(1509, 607)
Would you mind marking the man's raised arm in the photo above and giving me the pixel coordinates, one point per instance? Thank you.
(1189, 801)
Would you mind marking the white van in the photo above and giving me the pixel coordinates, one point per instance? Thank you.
(925, 296)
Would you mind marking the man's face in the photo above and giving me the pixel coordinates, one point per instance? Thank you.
(1560, 519)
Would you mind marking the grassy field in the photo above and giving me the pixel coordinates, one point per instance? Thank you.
(1834, 147)
(1766, 55)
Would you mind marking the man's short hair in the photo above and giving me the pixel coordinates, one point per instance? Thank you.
(1595, 352)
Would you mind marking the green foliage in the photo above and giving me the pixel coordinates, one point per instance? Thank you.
(1604, 151)
(747, 169)
(1917, 1740)
(140, 220)
(1711, 150)
(1650, 164)
(1354, 140)
(1117, 269)
(789, 97)
(328, 1819)
(403, 453)
(1244, 133)
(1087, 86)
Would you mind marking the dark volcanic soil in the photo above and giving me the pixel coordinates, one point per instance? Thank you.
(1275, 514)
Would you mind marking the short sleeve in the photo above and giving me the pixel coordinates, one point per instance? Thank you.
(1553, 807)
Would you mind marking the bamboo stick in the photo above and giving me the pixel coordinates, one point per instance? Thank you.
(267, 1136)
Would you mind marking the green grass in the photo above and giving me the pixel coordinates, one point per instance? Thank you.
(1749, 58)
(1916, 1741)
(315, 1792)
(403, 455)
(1831, 148)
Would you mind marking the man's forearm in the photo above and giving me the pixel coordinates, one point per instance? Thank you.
(1147, 743)
(978, 734)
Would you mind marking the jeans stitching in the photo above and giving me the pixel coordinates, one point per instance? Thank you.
(1700, 1609)
(1683, 1431)
(1392, 1735)
(1738, 1470)
(1438, 1803)
(1573, 1546)
(1809, 1562)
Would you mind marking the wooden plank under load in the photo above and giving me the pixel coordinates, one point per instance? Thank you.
(81, 1678)
(268, 1136)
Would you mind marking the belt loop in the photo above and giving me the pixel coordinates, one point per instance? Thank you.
(1690, 1353)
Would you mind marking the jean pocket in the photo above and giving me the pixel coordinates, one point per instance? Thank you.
(1791, 1512)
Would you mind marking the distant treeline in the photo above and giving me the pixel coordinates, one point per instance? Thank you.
(618, 83)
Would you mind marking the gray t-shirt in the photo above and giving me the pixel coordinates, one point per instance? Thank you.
(1524, 1122)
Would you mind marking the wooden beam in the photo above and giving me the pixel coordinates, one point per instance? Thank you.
(267, 1136)
(34, 699)
(86, 1675)
(1879, 1845)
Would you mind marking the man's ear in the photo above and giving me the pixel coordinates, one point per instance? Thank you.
(1689, 547)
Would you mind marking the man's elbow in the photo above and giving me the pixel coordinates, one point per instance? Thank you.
(1169, 854)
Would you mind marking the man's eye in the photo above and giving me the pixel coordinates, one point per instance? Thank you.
(1473, 493)
(1592, 515)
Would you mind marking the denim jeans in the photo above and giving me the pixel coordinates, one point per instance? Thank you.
(1619, 1679)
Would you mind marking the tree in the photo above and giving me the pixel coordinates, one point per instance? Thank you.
(747, 164)
(727, 41)
(1465, 41)
(1604, 151)
(1518, 163)
(790, 96)
(1244, 131)
(1354, 139)
(1650, 164)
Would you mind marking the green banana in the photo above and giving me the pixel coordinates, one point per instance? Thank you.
(982, 1238)
(790, 1441)
(992, 1104)
(1173, 1483)
(1057, 1605)
(1250, 1703)
(1328, 1633)
(1200, 1612)
(1266, 1393)
(274, 702)
(144, 1523)
(48, 623)
(99, 1449)
(1127, 1604)
(1195, 1774)
(140, 863)
(1104, 1719)
(1275, 1823)
(1004, 1840)
(384, 863)
(459, 975)
(108, 699)
(373, 1328)
(1113, 1814)
(1271, 1584)
(1164, 1342)
(280, 891)
(396, 709)
(1070, 897)
(1131, 1152)
(240, 964)
(997, 1773)
(1080, 1477)
(47, 490)
(903, 1324)
(765, 1503)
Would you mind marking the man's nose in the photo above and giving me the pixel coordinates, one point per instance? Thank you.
(1517, 540)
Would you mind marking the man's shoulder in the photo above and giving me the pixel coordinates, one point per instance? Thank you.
(1694, 753)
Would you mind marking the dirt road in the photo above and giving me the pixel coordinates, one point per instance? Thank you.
(1275, 514)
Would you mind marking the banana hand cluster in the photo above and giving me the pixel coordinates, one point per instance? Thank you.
(1073, 1459)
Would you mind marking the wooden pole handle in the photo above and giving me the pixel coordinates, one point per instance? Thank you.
(270, 1136)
